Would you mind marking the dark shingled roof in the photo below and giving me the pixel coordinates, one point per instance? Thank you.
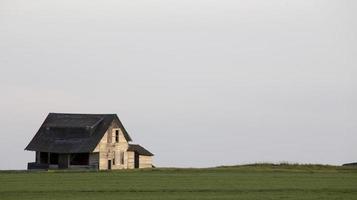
(73, 133)
(139, 150)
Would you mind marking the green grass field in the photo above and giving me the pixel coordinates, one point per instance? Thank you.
(241, 182)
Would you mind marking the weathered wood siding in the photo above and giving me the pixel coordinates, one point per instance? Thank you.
(109, 149)
(145, 161)
(131, 157)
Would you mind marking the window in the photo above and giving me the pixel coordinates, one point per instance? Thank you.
(115, 157)
(122, 158)
(116, 136)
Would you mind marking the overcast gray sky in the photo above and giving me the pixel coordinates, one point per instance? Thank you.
(198, 82)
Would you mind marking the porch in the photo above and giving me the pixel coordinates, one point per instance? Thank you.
(48, 160)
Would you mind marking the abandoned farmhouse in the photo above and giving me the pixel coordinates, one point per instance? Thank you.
(88, 141)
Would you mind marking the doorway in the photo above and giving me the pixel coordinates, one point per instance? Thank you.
(136, 160)
(109, 164)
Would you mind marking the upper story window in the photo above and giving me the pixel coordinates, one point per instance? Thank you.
(116, 136)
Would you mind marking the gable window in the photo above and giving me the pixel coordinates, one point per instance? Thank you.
(116, 136)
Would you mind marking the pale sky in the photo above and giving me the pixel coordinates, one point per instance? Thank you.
(198, 82)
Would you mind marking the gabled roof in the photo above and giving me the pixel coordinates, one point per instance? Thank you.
(139, 150)
(73, 133)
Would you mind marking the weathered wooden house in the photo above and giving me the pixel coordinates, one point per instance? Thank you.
(94, 141)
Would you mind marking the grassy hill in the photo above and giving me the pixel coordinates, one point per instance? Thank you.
(258, 181)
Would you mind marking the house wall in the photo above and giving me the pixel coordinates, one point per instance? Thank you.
(109, 149)
(145, 161)
(131, 157)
